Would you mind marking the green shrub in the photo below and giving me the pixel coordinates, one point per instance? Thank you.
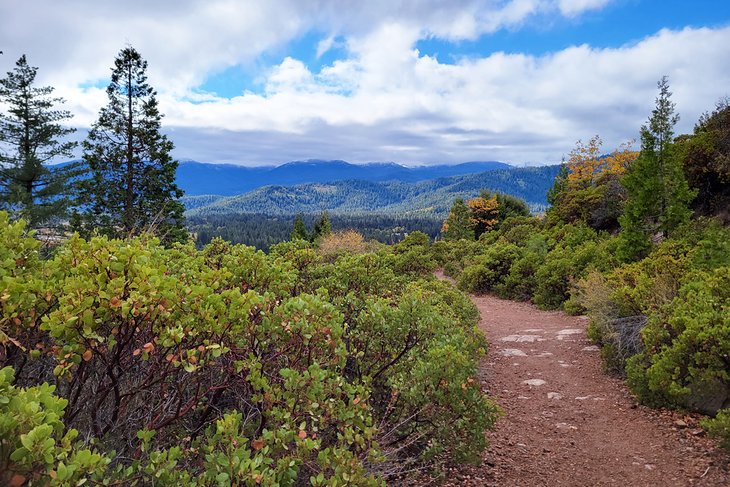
(489, 268)
(452, 301)
(476, 278)
(521, 282)
(719, 427)
(518, 234)
(709, 244)
(452, 270)
(570, 235)
(34, 443)
(227, 365)
(401, 345)
(686, 344)
(440, 252)
(531, 222)
(553, 280)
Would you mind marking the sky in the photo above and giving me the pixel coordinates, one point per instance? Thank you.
(263, 82)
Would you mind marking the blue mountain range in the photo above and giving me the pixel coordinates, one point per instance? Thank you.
(198, 178)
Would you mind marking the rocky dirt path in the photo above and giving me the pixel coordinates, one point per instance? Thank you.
(568, 423)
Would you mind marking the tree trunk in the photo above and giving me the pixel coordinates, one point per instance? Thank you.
(129, 196)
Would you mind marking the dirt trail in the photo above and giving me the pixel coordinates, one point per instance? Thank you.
(568, 423)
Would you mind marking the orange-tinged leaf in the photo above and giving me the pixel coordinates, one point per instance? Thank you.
(148, 347)
(136, 352)
(170, 357)
(17, 480)
(115, 302)
(87, 355)
(257, 444)
(302, 434)
(356, 400)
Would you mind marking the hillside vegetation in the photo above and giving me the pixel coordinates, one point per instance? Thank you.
(431, 198)
(644, 252)
(263, 231)
(128, 356)
(125, 361)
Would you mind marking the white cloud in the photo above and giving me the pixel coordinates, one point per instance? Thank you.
(290, 75)
(384, 100)
(513, 107)
(572, 8)
(186, 40)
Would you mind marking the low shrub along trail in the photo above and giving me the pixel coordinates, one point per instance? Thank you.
(568, 423)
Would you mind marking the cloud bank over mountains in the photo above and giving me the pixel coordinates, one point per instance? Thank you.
(364, 91)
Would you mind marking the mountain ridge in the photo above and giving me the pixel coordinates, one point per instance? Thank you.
(432, 197)
(199, 178)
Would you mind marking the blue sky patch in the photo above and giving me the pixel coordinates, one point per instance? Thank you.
(236, 80)
(232, 82)
(618, 24)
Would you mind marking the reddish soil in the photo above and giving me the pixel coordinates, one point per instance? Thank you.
(568, 423)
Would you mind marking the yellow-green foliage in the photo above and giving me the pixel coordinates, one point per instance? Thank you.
(34, 444)
(681, 290)
(227, 365)
(719, 427)
(687, 343)
(525, 260)
(651, 288)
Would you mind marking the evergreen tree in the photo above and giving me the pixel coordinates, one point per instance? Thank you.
(706, 161)
(508, 206)
(132, 187)
(658, 192)
(323, 227)
(560, 185)
(31, 136)
(458, 224)
(299, 232)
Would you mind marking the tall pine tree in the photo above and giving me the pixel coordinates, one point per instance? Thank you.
(299, 232)
(31, 136)
(322, 227)
(658, 193)
(131, 188)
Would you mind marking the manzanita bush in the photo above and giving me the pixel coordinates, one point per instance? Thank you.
(128, 362)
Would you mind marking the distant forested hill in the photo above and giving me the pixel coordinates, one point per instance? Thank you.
(431, 198)
(196, 178)
(262, 231)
